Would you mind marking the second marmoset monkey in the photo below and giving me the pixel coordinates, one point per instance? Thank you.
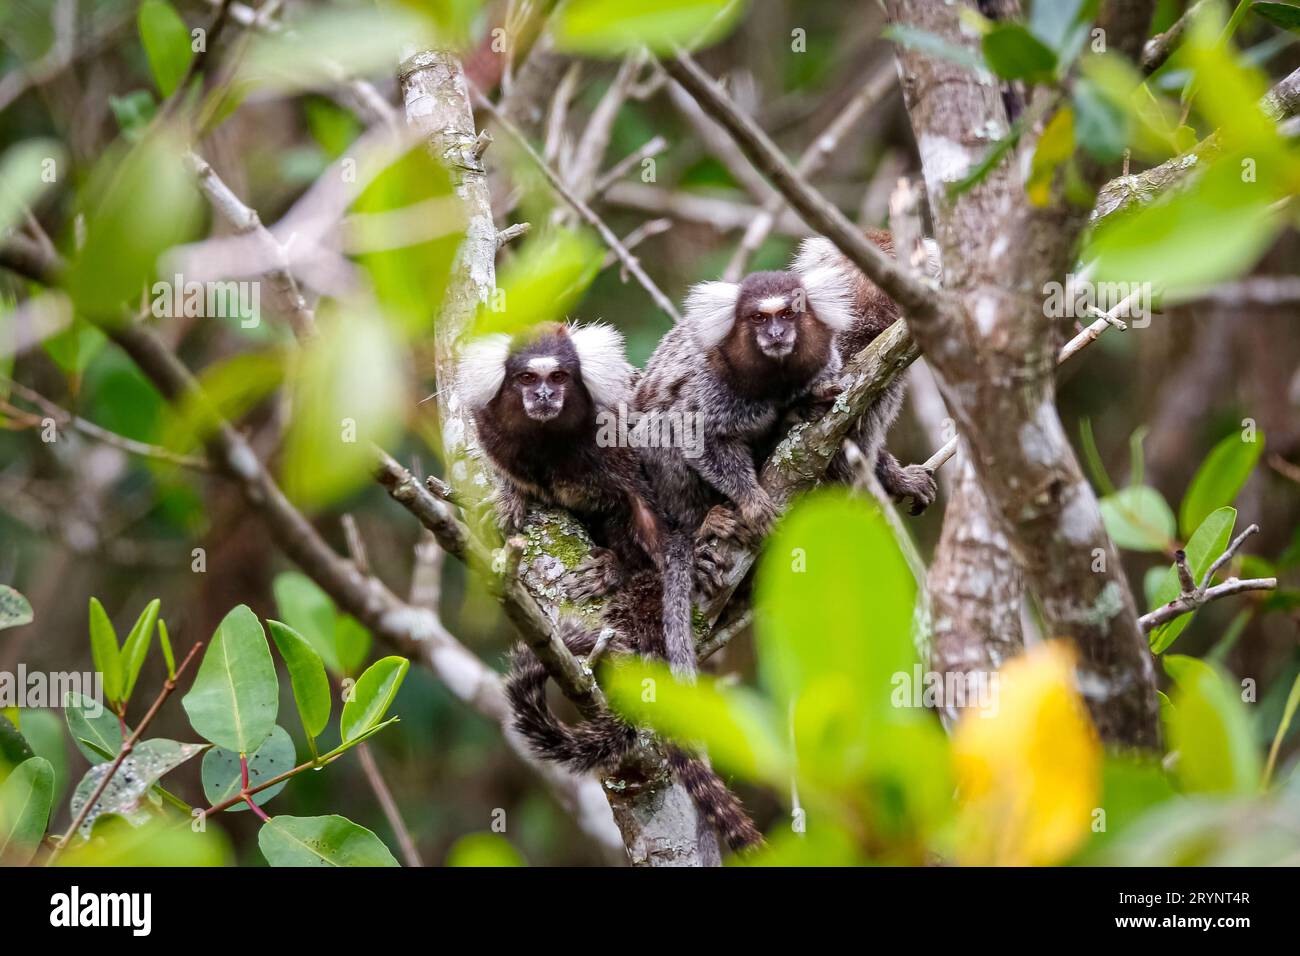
(873, 312)
(536, 398)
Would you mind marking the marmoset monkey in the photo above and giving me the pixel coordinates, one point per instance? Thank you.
(873, 312)
(535, 399)
(741, 357)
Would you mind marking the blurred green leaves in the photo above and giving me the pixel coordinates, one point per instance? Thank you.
(138, 201)
(542, 283)
(614, 27)
(27, 170)
(341, 642)
(349, 394)
(1013, 53)
(166, 42)
(1209, 728)
(1220, 477)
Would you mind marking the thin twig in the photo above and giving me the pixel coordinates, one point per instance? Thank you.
(168, 686)
(88, 428)
(917, 298)
(583, 210)
(1192, 596)
(389, 805)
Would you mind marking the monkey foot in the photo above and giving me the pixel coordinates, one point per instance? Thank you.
(915, 482)
(598, 575)
(720, 522)
(710, 574)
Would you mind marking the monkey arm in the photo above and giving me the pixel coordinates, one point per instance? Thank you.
(728, 465)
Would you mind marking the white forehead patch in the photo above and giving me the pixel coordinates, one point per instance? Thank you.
(773, 304)
(543, 365)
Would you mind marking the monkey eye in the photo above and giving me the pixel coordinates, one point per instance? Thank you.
(559, 377)
(757, 317)
(527, 378)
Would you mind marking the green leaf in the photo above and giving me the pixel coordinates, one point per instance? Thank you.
(1283, 725)
(1211, 231)
(733, 723)
(371, 696)
(614, 27)
(235, 696)
(353, 642)
(136, 646)
(166, 643)
(542, 283)
(157, 843)
(45, 732)
(1284, 15)
(311, 688)
(14, 608)
(137, 203)
(1139, 519)
(1205, 545)
(126, 792)
(1056, 21)
(104, 651)
(321, 841)
(1219, 478)
(94, 728)
(25, 800)
(166, 42)
(14, 748)
(23, 178)
(133, 112)
(1013, 53)
(1210, 729)
(350, 393)
(1101, 127)
(223, 777)
(483, 849)
(408, 277)
(1055, 146)
(309, 611)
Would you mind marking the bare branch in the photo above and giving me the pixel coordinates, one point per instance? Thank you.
(914, 295)
(99, 433)
(810, 163)
(584, 211)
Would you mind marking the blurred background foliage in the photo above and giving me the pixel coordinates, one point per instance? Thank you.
(1170, 418)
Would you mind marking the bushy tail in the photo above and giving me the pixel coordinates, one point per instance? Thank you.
(585, 746)
(715, 801)
(678, 627)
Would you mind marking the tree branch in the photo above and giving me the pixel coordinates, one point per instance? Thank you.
(1193, 596)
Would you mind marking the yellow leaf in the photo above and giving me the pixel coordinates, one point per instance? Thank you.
(1028, 766)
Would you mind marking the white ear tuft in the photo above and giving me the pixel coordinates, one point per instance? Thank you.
(483, 369)
(603, 363)
(814, 253)
(830, 295)
(711, 311)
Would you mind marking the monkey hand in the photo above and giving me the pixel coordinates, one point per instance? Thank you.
(827, 391)
(916, 482)
(759, 512)
(599, 574)
(511, 511)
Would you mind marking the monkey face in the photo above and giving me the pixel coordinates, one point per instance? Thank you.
(543, 385)
(771, 309)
